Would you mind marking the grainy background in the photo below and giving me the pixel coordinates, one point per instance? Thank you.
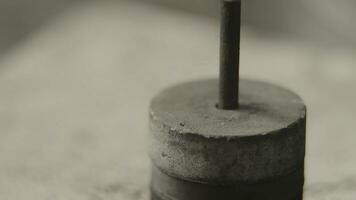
(76, 78)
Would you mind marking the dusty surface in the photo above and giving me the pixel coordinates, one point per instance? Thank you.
(191, 108)
(74, 100)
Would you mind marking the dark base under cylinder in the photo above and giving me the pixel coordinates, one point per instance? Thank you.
(156, 197)
(289, 187)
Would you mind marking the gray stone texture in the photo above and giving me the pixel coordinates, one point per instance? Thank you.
(193, 140)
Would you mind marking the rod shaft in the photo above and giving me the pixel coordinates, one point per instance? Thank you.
(229, 54)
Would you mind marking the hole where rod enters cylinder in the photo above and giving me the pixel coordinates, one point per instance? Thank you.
(229, 54)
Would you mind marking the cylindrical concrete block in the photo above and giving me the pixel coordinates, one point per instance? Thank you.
(200, 152)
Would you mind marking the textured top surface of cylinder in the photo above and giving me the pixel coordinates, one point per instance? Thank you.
(191, 108)
(192, 139)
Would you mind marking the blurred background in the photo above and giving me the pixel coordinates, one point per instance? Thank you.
(76, 78)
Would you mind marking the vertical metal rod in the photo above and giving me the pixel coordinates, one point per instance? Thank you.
(229, 54)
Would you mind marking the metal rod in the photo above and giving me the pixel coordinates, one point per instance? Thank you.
(229, 54)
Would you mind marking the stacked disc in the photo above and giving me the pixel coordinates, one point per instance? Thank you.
(200, 152)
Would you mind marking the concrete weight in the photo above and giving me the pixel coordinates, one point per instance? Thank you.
(254, 151)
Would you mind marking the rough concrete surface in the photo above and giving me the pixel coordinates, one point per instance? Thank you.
(75, 97)
(190, 107)
(194, 140)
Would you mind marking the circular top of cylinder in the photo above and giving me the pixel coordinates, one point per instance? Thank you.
(192, 108)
